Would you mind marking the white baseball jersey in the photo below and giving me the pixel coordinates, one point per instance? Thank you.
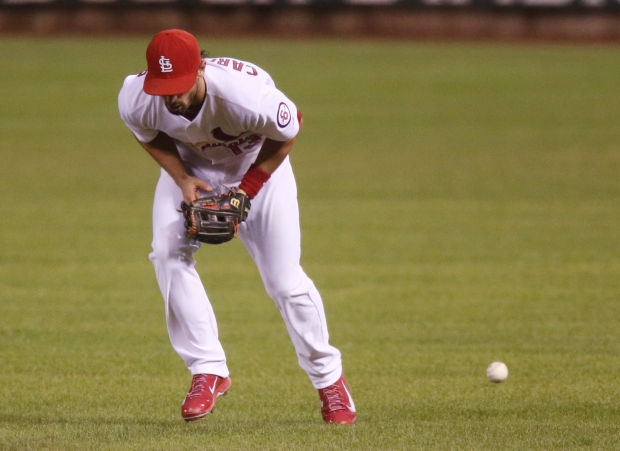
(242, 107)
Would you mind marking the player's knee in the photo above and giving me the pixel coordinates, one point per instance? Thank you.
(287, 287)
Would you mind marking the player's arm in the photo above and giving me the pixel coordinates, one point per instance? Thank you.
(270, 156)
(165, 153)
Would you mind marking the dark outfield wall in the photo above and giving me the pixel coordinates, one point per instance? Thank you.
(421, 21)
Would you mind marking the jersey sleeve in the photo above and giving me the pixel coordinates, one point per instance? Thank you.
(275, 116)
(133, 112)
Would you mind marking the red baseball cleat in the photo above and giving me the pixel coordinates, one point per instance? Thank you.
(337, 404)
(200, 399)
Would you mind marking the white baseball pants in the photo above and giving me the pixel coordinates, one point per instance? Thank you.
(271, 234)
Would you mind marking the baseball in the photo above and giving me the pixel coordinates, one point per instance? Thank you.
(497, 372)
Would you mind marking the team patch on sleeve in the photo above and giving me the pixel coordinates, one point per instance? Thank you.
(284, 115)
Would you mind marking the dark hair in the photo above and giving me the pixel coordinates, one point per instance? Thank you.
(204, 53)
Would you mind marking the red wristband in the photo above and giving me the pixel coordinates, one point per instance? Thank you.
(253, 181)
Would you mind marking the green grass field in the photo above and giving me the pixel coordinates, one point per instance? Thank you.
(460, 204)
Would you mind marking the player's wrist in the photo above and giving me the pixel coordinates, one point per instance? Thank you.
(253, 181)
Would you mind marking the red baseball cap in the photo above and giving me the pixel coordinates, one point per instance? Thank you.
(173, 58)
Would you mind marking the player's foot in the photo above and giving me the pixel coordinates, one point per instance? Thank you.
(201, 397)
(337, 403)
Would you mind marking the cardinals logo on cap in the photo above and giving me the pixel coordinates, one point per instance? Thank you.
(165, 64)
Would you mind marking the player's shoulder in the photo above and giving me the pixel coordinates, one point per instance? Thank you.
(230, 78)
(133, 83)
(239, 86)
(132, 95)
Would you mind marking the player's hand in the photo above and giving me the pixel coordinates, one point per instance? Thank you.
(193, 188)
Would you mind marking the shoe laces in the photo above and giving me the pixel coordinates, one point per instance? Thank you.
(198, 386)
(332, 398)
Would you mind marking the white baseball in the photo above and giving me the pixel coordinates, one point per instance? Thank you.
(497, 372)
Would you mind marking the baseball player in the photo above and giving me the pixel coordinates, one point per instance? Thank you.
(216, 126)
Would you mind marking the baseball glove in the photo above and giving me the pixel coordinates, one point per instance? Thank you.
(215, 219)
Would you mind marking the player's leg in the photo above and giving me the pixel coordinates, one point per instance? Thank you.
(272, 236)
(189, 316)
(191, 321)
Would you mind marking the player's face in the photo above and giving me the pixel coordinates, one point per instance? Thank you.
(180, 103)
